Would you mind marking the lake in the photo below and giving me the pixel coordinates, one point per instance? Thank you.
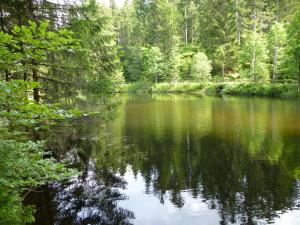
(181, 160)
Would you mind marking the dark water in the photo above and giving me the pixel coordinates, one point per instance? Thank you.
(183, 160)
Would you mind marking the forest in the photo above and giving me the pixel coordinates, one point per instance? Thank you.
(56, 53)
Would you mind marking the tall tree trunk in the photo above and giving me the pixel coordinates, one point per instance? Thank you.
(253, 61)
(35, 78)
(6, 75)
(36, 94)
(2, 18)
(223, 71)
(3, 30)
(192, 34)
(31, 10)
(299, 77)
(185, 24)
(274, 76)
(238, 22)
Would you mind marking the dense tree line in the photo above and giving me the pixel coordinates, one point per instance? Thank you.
(157, 40)
(254, 40)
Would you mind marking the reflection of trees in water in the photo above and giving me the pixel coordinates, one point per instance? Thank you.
(242, 156)
(243, 170)
(87, 199)
(243, 186)
(91, 199)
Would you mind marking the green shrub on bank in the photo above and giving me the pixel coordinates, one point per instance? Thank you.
(250, 89)
(142, 86)
(124, 88)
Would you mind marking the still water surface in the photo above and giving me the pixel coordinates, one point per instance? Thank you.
(185, 160)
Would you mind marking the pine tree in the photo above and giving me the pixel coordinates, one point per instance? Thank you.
(218, 33)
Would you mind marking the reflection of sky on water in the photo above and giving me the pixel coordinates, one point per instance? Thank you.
(149, 210)
(289, 218)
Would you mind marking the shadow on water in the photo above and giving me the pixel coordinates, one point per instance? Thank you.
(238, 156)
(93, 196)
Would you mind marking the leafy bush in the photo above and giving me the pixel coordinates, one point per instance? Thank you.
(201, 67)
(142, 86)
(251, 89)
(154, 67)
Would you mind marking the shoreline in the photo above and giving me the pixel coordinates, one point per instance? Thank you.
(225, 88)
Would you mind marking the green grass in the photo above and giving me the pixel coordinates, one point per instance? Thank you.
(250, 89)
(182, 87)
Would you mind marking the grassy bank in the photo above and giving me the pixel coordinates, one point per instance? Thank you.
(226, 88)
(250, 89)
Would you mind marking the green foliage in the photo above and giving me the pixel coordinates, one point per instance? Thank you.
(183, 87)
(153, 64)
(23, 167)
(277, 42)
(185, 64)
(131, 59)
(173, 64)
(293, 57)
(201, 67)
(294, 35)
(28, 166)
(250, 89)
(142, 86)
(94, 27)
(18, 108)
(32, 42)
(239, 38)
(218, 32)
(254, 57)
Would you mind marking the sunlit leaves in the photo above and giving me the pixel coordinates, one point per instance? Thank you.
(32, 42)
(201, 67)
